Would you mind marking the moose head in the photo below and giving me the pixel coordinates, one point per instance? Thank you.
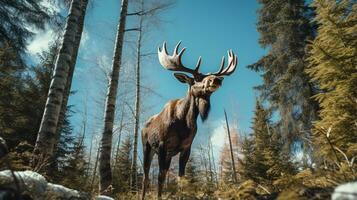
(172, 130)
(200, 84)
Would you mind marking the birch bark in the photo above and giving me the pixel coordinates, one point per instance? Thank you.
(105, 171)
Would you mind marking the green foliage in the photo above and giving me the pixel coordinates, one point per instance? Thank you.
(75, 172)
(284, 29)
(245, 191)
(247, 170)
(264, 161)
(333, 58)
(12, 119)
(16, 17)
(121, 174)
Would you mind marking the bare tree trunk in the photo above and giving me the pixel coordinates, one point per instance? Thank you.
(105, 171)
(119, 138)
(134, 180)
(231, 150)
(47, 138)
(72, 65)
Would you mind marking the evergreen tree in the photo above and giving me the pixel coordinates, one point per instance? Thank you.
(264, 160)
(16, 17)
(260, 138)
(121, 170)
(74, 174)
(22, 101)
(284, 29)
(11, 85)
(333, 58)
(246, 170)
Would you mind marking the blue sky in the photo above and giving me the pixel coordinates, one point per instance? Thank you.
(207, 28)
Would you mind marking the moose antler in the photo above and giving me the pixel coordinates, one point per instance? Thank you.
(232, 64)
(173, 63)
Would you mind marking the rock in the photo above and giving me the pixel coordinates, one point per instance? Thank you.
(36, 186)
(102, 197)
(347, 191)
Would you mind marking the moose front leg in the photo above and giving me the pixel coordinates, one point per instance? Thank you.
(184, 156)
(164, 165)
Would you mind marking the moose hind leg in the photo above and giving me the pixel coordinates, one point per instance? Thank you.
(148, 155)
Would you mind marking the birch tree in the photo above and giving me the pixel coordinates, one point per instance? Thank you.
(72, 65)
(105, 171)
(46, 139)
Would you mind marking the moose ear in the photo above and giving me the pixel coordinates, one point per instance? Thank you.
(183, 78)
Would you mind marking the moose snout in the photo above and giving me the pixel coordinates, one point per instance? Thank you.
(218, 80)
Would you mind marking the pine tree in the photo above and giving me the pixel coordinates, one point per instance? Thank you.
(333, 58)
(22, 101)
(260, 138)
(16, 17)
(264, 160)
(246, 169)
(11, 84)
(284, 29)
(121, 170)
(74, 174)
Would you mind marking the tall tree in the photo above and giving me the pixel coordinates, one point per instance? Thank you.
(137, 100)
(72, 65)
(284, 28)
(105, 171)
(261, 138)
(333, 58)
(47, 138)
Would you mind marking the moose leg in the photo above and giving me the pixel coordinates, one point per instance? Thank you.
(148, 155)
(184, 156)
(164, 164)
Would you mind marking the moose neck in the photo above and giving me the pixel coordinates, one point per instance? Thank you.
(193, 106)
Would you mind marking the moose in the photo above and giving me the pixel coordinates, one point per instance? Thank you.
(172, 130)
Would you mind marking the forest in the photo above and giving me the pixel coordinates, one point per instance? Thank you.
(81, 119)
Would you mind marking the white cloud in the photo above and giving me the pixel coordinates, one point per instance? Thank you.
(218, 138)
